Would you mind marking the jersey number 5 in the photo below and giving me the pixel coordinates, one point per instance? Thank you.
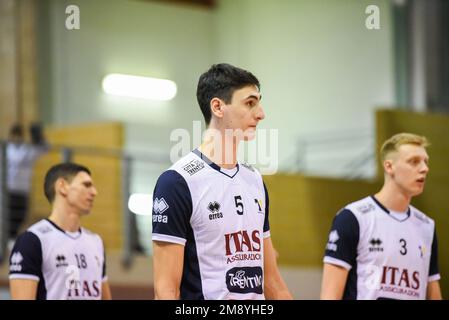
(239, 204)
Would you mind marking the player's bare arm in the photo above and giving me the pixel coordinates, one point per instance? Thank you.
(434, 291)
(333, 283)
(167, 269)
(274, 286)
(23, 289)
(105, 291)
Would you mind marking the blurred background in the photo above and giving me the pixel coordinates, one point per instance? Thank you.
(338, 77)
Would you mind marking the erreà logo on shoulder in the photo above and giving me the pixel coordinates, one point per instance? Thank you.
(159, 207)
(16, 262)
(332, 243)
(243, 245)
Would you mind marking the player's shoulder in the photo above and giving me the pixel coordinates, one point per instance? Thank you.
(249, 169)
(42, 228)
(27, 239)
(187, 167)
(89, 233)
(28, 243)
(250, 173)
(361, 207)
(420, 216)
(175, 178)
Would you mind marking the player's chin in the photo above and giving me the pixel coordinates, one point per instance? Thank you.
(249, 134)
(86, 211)
(417, 191)
(249, 138)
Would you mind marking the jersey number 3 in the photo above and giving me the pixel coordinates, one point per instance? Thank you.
(403, 247)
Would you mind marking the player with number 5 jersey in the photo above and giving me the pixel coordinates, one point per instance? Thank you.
(211, 231)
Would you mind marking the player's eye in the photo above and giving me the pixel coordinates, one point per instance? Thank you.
(251, 103)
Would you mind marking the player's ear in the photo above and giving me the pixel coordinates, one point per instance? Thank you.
(61, 187)
(388, 166)
(216, 107)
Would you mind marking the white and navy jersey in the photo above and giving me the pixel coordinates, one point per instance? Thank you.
(387, 257)
(67, 266)
(221, 217)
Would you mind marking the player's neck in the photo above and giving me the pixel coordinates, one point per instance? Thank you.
(65, 220)
(393, 199)
(220, 149)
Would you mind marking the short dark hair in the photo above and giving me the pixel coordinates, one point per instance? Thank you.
(220, 81)
(36, 133)
(66, 171)
(16, 130)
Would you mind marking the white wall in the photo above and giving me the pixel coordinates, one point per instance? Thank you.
(131, 37)
(320, 68)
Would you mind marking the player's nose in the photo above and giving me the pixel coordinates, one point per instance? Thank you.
(424, 168)
(260, 114)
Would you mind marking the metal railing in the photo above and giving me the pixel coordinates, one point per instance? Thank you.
(67, 153)
(344, 154)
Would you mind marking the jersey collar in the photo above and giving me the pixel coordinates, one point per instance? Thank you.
(59, 229)
(388, 211)
(214, 165)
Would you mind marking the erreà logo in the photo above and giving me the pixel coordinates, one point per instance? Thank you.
(160, 205)
(214, 207)
(333, 238)
(376, 245)
(16, 262)
(61, 261)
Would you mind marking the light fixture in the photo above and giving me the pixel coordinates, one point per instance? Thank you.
(141, 203)
(139, 87)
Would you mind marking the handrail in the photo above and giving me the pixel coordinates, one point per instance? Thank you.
(112, 152)
(127, 159)
(324, 144)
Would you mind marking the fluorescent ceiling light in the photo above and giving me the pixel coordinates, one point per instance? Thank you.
(141, 203)
(139, 87)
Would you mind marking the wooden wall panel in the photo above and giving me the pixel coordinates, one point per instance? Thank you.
(106, 217)
(302, 210)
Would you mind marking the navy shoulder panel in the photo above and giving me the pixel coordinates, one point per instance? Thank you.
(172, 206)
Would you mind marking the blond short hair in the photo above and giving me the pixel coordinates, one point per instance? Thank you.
(393, 144)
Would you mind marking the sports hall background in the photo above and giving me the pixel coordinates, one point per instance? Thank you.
(333, 88)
